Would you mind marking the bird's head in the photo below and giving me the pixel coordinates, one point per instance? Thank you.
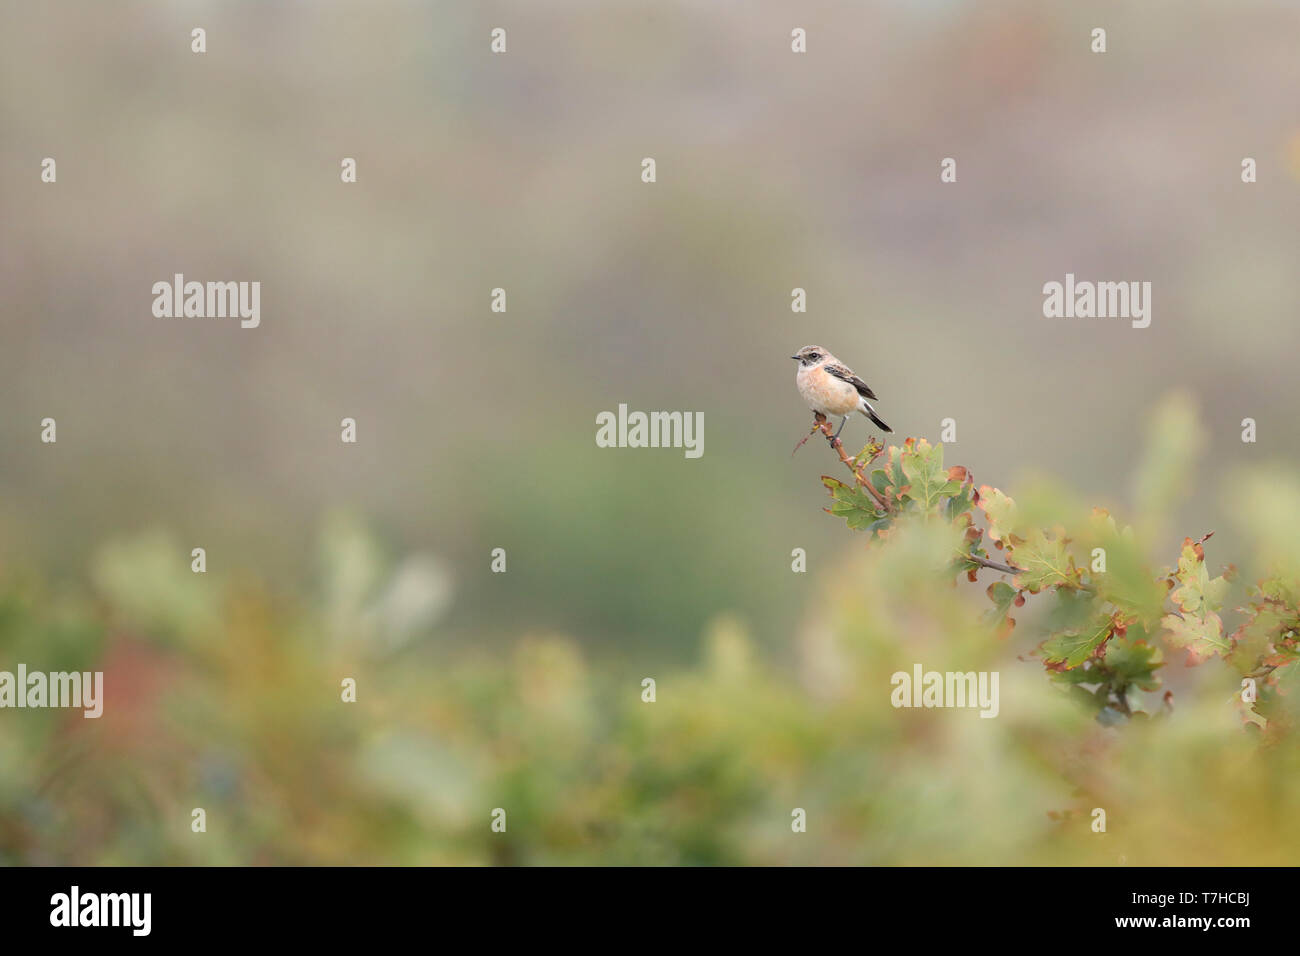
(810, 355)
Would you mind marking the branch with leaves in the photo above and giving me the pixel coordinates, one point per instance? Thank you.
(1110, 613)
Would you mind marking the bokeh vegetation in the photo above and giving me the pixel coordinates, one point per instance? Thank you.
(522, 690)
(226, 696)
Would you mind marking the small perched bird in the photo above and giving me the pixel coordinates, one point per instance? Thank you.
(830, 387)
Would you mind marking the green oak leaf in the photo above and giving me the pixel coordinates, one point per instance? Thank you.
(1279, 700)
(1046, 562)
(1072, 648)
(855, 506)
(1003, 597)
(1268, 623)
(1133, 661)
(923, 470)
(1120, 573)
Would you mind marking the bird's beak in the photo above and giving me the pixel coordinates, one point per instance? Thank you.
(794, 357)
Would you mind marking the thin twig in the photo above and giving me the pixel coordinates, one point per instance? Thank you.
(1121, 699)
(851, 463)
(816, 425)
(986, 563)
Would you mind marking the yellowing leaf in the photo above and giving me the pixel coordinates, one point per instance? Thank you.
(1001, 512)
(1198, 596)
(1046, 562)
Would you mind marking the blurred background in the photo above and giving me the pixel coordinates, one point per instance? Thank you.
(476, 429)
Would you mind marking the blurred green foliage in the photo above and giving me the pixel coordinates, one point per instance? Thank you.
(223, 696)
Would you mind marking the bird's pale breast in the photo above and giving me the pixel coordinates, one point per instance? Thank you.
(825, 393)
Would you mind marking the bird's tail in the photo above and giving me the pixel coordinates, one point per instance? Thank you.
(871, 413)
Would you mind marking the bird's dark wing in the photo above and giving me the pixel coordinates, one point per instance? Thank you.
(846, 375)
